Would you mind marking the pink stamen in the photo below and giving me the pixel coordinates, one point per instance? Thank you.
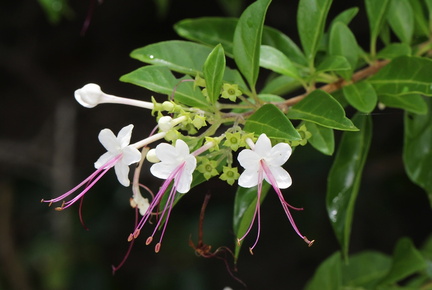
(91, 181)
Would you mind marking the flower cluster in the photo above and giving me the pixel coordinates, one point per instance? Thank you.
(177, 164)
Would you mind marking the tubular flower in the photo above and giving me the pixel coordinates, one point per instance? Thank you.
(263, 161)
(176, 166)
(91, 95)
(120, 155)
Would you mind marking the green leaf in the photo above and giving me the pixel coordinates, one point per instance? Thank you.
(413, 103)
(345, 16)
(214, 30)
(270, 120)
(365, 270)
(209, 30)
(429, 6)
(394, 50)
(311, 19)
(275, 60)
(321, 108)
(417, 151)
(407, 260)
(328, 275)
(281, 85)
(401, 19)
(247, 40)
(275, 38)
(322, 138)
(421, 26)
(159, 79)
(214, 69)
(334, 63)
(344, 179)
(361, 96)
(180, 56)
(343, 43)
(403, 76)
(244, 209)
(376, 12)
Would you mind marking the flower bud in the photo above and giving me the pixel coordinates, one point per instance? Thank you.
(89, 96)
(151, 156)
(165, 123)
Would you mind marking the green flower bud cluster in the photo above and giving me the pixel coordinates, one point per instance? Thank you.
(305, 135)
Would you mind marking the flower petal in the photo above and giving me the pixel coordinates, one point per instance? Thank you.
(122, 172)
(248, 178)
(182, 148)
(109, 141)
(107, 156)
(131, 155)
(249, 159)
(162, 170)
(166, 153)
(279, 154)
(263, 145)
(184, 183)
(282, 177)
(124, 136)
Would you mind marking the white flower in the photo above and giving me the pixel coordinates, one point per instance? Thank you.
(261, 162)
(118, 147)
(274, 158)
(176, 162)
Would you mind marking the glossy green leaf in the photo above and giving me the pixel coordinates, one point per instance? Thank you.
(275, 38)
(275, 60)
(403, 76)
(244, 209)
(345, 16)
(344, 179)
(376, 12)
(401, 19)
(421, 26)
(270, 120)
(214, 69)
(413, 103)
(334, 63)
(328, 275)
(159, 79)
(311, 19)
(180, 56)
(361, 96)
(322, 138)
(417, 151)
(321, 108)
(365, 270)
(209, 30)
(429, 6)
(247, 40)
(407, 260)
(343, 43)
(281, 85)
(394, 50)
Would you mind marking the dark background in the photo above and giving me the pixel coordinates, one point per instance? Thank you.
(48, 143)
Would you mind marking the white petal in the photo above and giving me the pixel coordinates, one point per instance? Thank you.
(131, 155)
(249, 159)
(122, 172)
(166, 153)
(248, 178)
(279, 154)
(184, 183)
(109, 140)
(190, 164)
(162, 170)
(124, 136)
(182, 148)
(107, 156)
(89, 96)
(263, 145)
(282, 177)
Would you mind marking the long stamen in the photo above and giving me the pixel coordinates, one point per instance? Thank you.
(90, 181)
(285, 205)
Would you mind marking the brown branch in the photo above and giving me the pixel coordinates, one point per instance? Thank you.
(337, 85)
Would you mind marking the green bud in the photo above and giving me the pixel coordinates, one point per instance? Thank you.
(230, 174)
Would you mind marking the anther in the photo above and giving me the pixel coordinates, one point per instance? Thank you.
(131, 237)
(310, 243)
(250, 251)
(157, 247)
(149, 240)
(136, 233)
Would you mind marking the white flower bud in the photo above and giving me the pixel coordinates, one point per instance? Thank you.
(165, 123)
(89, 96)
(151, 156)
